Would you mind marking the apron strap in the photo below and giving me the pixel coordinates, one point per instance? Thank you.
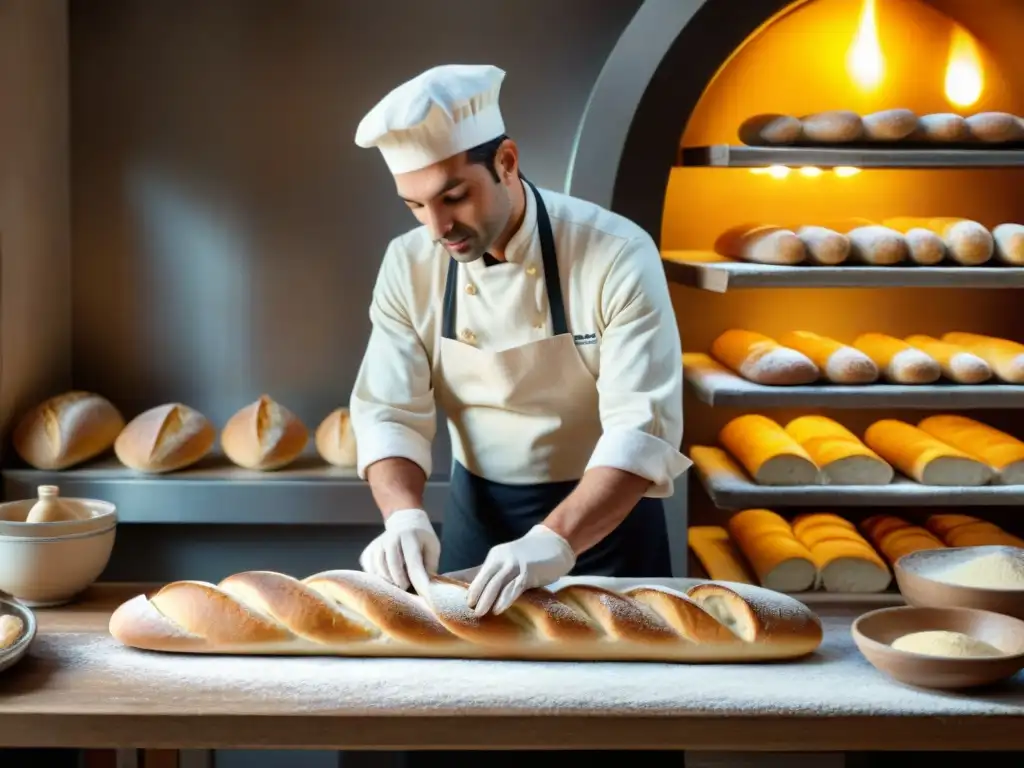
(552, 282)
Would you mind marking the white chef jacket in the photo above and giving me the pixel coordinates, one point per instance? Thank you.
(618, 309)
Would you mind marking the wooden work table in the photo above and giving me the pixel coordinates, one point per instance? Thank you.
(77, 687)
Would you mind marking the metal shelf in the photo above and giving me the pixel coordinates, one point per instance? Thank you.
(711, 272)
(730, 488)
(308, 492)
(858, 156)
(716, 385)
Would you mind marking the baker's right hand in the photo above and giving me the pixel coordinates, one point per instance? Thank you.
(406, 552)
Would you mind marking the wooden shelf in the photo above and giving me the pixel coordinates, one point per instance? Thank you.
(859, 156)
(309, 492)
(716, 385)
(729, 488)
(711, 272)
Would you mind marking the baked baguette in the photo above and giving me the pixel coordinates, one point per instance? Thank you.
(777, 557)
(898, 361)
(264, 435)
(845, 561)
(924, 246)
(889, 124)
(995, 127)
(718, 554)
(164, 439)
(761, 244)
(769, 455)
(824, 246)
(761, 359)
(351, 613)
(769, 129)
(877, 245)
(839, 454)
(837, 362)
(967, 242)
(838, 126)
(982, 534)
(941, 127)
(67, 429)
(924, 458)
(957, 363)
(940, 524)
(895, 537)
(1005, 357)
(1002, 452)
(1009, 242)
(335, 440)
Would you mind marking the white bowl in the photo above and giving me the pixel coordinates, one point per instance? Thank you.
(47, 571)
(102, 514)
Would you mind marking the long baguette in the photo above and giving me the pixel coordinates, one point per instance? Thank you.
(924, 458)
(718, 555)
(761, 359)
(351, 613)
(1009, 240)
(840, 363)
(761, 244)
(778, 558)
(1002, 452)
(840, 455)
(1005, 357)
(898, 361)
(769, 455)
(845, 560)
(957, 363)
(967, 241)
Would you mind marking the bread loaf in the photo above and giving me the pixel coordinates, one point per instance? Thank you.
(66, 430)
(839, 454)
(264, 435)
(11, 628)
(942, 523)
(877, 245)
(898, 361)
(895, 537)
(995, 127)
(335, 440)
(351, 613)
(760, 359)
(967, 242)
(838, 362)
(824, 246)
(770, 129)
(761, 244)
(957, 363)
(845, 560)
(164, 439)
(838, 126)
(779, 560)
(1002, 452)
(767, 452)
(924, 246)
(941, 128)
(717, 554)
(966, 531)
(1009, 243)
(1004, 357)
(889, 125)
(924, 458)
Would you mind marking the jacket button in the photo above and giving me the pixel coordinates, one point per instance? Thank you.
(471, 289)
(468, 335)
(531, 271)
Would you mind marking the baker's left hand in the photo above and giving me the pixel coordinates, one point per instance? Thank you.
(535, 560)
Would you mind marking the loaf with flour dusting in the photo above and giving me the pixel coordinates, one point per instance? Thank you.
(352, 613)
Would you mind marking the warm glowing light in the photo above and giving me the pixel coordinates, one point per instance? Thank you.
(845, 171)
(759, 171)
(864, 60)
(964, 78)
(778, 171)
(810, 171)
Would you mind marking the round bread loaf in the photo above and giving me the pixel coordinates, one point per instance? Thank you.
(165, 438)
(66, 430)
(264, 435)
(335, 440)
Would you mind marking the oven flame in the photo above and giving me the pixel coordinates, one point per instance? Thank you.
(964, 71)
(864, 60)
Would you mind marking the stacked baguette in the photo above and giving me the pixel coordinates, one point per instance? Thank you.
(895, 537)
(885, 126)
(802, 357)
(75, 427)
(351, 613)
(958, 530)
(920, 240)
(941, 450)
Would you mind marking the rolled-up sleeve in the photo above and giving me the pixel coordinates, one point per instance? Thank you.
(640, 382)
(392, 407)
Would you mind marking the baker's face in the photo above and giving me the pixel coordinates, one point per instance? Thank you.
(460, 203)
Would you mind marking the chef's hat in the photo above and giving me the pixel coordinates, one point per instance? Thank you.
(437, 114)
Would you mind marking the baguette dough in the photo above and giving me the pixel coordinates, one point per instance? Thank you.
(335, 440)
(840, 455)
(898, 361)
(1002, 452)
(264, 436)
(840, 363)
(66, 430)
(351, 613)
(957, 363)
(164, 439)
(924, 458)
(760, 359)
(767, 452)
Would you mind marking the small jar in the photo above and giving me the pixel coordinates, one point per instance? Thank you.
(50, 509)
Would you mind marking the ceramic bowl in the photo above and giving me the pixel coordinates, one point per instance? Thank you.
(875, 631)
(11, 655)
(918, 577)
(47, 571)
(102, 514)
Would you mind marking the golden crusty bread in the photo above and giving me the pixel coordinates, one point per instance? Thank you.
(895, 537)
(846, 562)
(777, 557)
(924, 458)
(957, 363)
(761, 359)
(66, 430)
(264, 435)
(164, 439)
(839, 454)
(1004, 356)
(899, 362)
(761, 244)
(352, 613)
(767, 452)
(1003, 452)
(718, 554)
(838, 362)
(335, 439)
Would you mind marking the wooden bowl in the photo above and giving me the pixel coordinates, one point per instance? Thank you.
(875, 631)
(918, 577)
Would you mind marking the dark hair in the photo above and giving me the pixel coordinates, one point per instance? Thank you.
(486, 154)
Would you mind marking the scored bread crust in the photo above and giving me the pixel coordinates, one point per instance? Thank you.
(164, 439)
(67, 429)
(352, 613)
(335, 441)
(264, 435)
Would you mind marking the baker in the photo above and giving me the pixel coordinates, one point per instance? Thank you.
(542, 326)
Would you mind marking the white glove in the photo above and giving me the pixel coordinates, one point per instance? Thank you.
(537, 559)
(406, 552)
